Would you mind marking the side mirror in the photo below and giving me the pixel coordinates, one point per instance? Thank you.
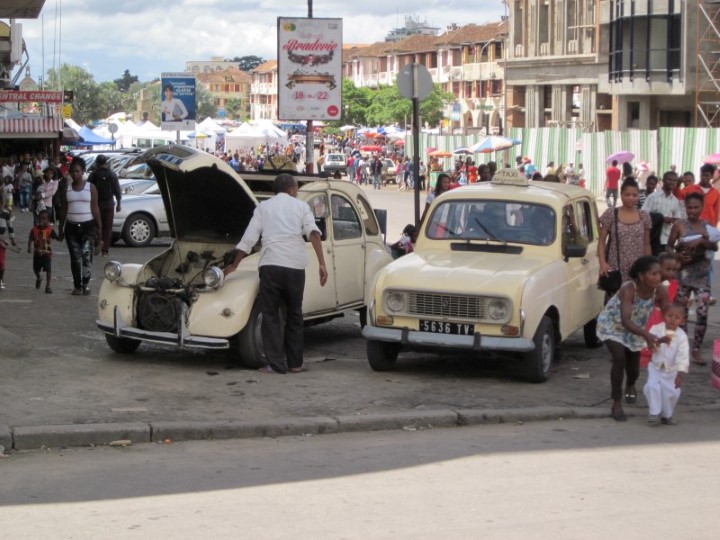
(381, 216)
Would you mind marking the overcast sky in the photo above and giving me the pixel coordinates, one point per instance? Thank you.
(150, 37)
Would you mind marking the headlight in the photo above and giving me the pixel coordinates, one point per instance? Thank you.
(395, 302)
(498, 309)
(213, 277)
(113, 271)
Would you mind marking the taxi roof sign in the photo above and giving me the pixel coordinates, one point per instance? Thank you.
(510, 177)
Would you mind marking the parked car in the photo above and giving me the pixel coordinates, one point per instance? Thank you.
(180, 297)
(506, 266)
(335, 162)
(130, 186)
(141, 218)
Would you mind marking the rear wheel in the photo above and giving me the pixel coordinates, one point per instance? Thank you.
(382, 356)
(539, 361)
(122, 345)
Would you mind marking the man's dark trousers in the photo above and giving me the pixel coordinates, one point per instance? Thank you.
(280, 286)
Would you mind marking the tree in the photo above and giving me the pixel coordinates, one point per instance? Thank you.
(247, 63)
(124, 82)
(204, 104)
(82, 83)
(109, 100)
(234, 109)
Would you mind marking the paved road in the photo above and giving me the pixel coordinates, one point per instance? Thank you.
(549, 480)
(56, 368)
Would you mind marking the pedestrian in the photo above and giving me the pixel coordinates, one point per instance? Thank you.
(376, 167)
(621, 324)
(40, 245)
(109, 196)
(670, 362)
(669, 270)
(442, 185)
(664, 202)
(692, 238)
(281, 222)
(624, 235)
(25, 182)
(406, 242)
(612, 179)
(711, 196)
(80, 225)
(44, 195)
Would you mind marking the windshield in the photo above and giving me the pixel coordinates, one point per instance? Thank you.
(500, 221)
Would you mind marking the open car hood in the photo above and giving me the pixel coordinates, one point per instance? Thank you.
(204, 198)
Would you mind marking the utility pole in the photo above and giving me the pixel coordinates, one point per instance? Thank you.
(309, 148)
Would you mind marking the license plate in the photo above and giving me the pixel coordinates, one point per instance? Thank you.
(440, 327)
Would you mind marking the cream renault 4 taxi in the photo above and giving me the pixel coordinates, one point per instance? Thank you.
(508, 265)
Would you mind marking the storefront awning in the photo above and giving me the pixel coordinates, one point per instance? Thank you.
(31, 128)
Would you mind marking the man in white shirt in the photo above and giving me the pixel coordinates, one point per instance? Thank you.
(662, 201)
(282, 221)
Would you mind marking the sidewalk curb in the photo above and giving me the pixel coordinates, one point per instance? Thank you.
(35, 437)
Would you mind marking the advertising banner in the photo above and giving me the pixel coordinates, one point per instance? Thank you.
(178, 101)
(309, 68)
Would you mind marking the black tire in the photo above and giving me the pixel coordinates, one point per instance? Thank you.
(362, 313)
(590, 335)
(139, 230)
(382, 356)
(122, 345)
(250, 345)
(538, 362)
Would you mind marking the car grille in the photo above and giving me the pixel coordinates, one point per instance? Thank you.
(447, 305)
(158, 312)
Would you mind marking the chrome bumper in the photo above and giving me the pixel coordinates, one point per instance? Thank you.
(475, 342)
(119, 328)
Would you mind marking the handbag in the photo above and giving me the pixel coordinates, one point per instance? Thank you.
(613, 280)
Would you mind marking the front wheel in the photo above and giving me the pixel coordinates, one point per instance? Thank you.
(382, 356)
(122, 345)
(250, 343)
(139, 230)
(539, 361)
(590, 335)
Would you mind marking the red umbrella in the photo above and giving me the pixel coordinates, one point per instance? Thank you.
(399, 142)
(713, 159)
(371, 148)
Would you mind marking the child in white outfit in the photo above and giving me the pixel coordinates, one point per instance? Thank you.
(670, 361)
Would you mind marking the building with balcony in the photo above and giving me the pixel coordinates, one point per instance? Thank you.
(652, 62)
(465, 61)
(554, 65)
(228, 87)
(264, 91)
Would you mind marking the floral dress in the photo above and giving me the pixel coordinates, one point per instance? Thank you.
(609, 323)
(632, 240)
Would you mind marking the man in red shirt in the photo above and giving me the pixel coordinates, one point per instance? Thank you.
(612, 178)
(711, 201)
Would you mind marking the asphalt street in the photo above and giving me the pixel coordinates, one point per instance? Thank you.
(56, 370)
(552, 480)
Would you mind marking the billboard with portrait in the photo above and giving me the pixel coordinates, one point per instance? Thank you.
(177, 105)
(309, 68)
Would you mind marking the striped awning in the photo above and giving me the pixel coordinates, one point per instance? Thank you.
(31, 125)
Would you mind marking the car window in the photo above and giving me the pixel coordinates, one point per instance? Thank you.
(572, 234)
(368, 216)
(584, 220)
(502, 221)
(318, 206)
(345, 221)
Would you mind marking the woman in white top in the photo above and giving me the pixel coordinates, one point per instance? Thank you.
(80, 225)
(173, 110)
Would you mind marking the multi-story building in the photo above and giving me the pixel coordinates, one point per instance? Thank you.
(264, 91)
(554, 65)
(216, 63)
(465, 61)
(227, 86)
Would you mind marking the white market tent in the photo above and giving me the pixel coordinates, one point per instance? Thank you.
(247, 136)
(210, 125)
